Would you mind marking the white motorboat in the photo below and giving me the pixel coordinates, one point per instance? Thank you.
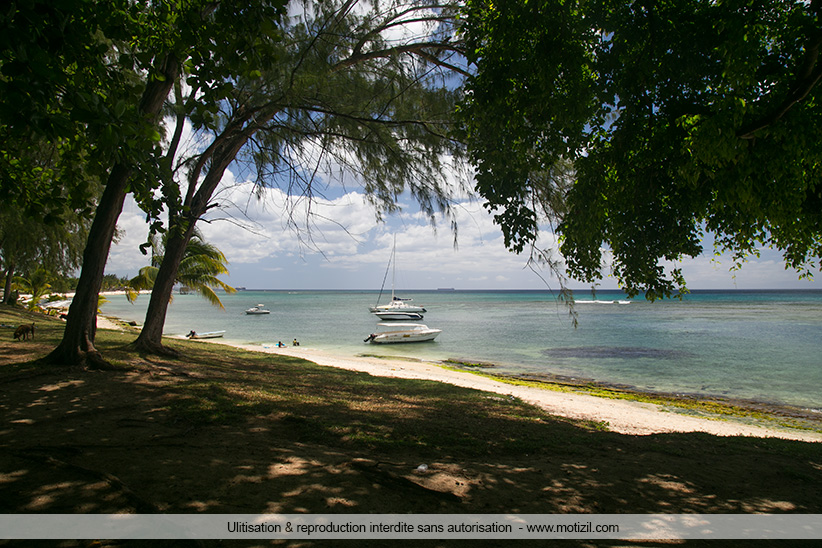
(402, 333)
(397, 304)
(259, 309)
(207, 335)
(397, 315)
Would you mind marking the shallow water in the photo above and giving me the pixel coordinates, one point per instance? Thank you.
(761, 345)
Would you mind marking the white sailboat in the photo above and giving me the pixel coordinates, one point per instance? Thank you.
(400, 309)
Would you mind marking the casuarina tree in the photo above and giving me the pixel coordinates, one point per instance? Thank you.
(359, 88)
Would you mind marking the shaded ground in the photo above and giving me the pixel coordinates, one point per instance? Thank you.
(225, 431)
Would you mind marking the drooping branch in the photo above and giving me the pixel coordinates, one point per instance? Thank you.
(396, 21)
(417, 49)
(369, 120)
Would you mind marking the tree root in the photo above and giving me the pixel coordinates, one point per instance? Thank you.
(155, 349)
(388, 479)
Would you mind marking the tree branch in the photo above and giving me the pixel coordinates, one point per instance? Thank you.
(807, 78)
(418, 49)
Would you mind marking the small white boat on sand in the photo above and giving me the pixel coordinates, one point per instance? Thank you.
(207, 335)
(402, 333)
(259, 309)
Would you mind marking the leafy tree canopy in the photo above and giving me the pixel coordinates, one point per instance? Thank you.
(70, 84)
(678, 116)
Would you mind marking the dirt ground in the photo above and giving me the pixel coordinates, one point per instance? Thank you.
(80, 441)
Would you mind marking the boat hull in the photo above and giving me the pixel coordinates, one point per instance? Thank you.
(398, 315)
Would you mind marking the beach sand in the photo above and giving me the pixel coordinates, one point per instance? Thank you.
(627, 417)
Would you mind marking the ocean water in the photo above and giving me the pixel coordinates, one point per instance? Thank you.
(758, 345)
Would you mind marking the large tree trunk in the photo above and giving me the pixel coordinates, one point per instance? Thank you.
(180, 230)
(77, 346)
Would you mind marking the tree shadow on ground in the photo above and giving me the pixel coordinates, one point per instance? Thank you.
(223, 432)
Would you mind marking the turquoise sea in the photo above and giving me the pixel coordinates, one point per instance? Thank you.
(755, 345)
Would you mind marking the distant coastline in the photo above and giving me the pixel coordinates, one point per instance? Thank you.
(576, 291)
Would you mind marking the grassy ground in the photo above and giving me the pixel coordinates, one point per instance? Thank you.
(221, 430)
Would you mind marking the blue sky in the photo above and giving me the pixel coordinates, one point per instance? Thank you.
(343, 246)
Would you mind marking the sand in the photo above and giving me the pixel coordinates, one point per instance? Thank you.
(627, 417)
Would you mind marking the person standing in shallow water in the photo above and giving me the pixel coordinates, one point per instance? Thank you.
(295, 343)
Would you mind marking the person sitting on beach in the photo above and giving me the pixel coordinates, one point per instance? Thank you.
(295, 343)
(192, 334)
(280, 344)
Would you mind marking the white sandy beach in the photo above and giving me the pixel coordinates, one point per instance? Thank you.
(623, 416)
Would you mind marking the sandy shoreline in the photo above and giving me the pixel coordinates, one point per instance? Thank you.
(623, 416)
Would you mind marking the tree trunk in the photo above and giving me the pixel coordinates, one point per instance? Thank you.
(180, 230)
(150, 339)
(7, 285)
(77, 346)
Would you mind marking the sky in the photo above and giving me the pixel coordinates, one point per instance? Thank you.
(342, 246)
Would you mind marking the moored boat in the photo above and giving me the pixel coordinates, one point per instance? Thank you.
(397, 304)
(259, 309)
(402, 333)
(207, 335)
(397, 315)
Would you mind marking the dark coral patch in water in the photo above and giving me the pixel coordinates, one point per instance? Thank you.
(624, 352)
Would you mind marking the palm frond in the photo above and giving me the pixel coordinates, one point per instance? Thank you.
(142, 281)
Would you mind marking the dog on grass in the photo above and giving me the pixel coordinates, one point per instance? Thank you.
(22, 333)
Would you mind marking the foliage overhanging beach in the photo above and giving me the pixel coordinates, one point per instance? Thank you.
(224, 430)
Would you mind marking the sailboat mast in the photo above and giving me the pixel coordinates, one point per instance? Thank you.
(394, 267)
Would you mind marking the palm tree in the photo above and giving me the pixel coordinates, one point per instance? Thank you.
(37, 284)
(198, 271)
